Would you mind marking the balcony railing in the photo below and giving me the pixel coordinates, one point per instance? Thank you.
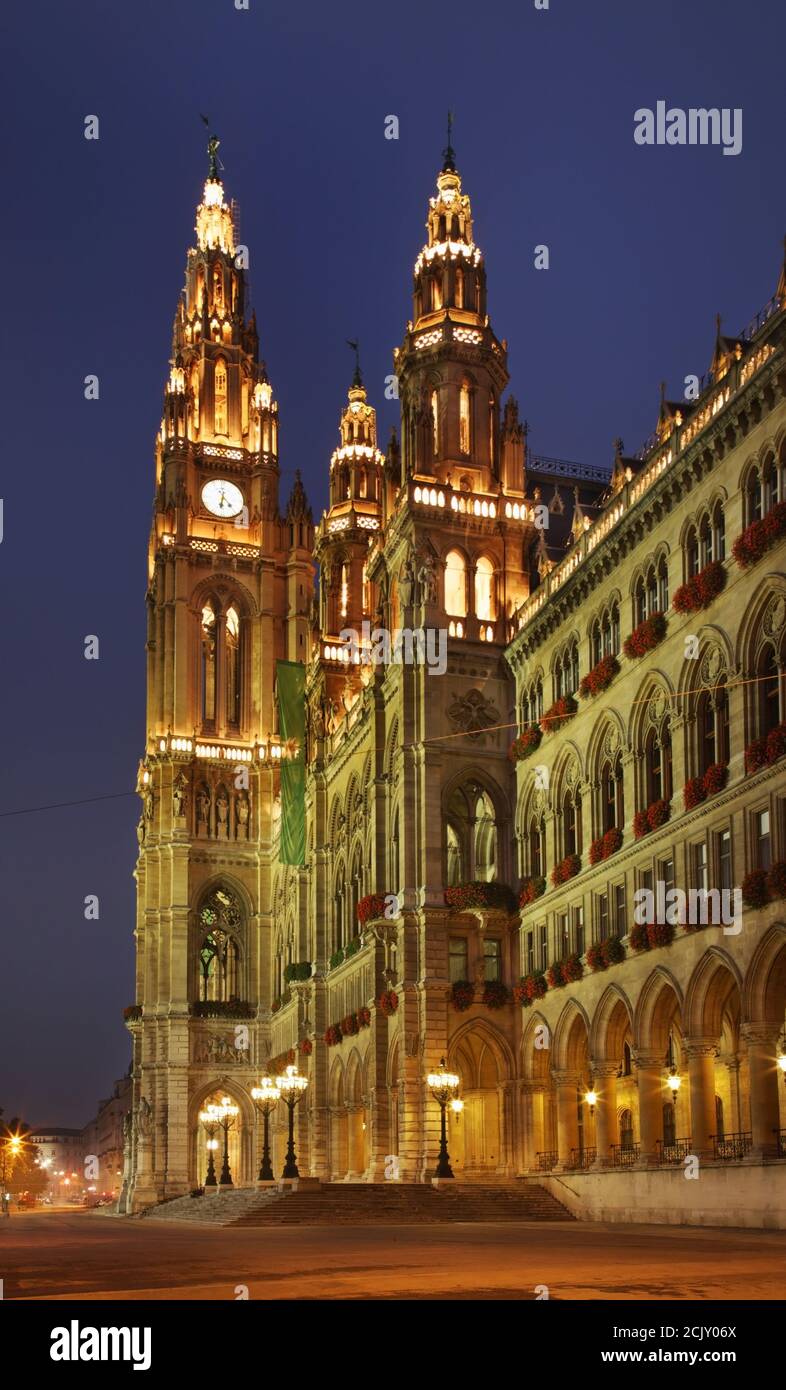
(547, 1160)
(625, 1155)
(676, 1151)
(728, 1147)
(780, 1141)
(582, 1158)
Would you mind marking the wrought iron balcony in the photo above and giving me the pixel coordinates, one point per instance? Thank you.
(676, 1151)
(780, 1140)
(728, 1147)
(547, 1160)
(625, 1155)
(582, 1158)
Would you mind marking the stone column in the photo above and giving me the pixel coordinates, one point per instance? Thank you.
(604, 1075)
(760, 1040)
(700, 1053)
(649, 1067)
(567, 1115)
(732, 1065)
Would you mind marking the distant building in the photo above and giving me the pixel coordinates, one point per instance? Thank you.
(103, 1140)
(61, 1153)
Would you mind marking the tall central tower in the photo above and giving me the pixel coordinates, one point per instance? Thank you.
(229, 593)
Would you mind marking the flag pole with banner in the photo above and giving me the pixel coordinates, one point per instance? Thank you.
(291, 686)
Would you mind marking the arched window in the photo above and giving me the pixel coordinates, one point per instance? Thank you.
(220, 918)
(339, 912)
(455, 873)
(705, 726)
(692, 553)
(571, 822)
(195, 396)
(232, 656)
(208, 664)
(706, 542)
(491, 430)
(719, 1129)
(718, 532)
(566, 674)
(753, 498)
(485, 606)
(640, 601)
(455, 585)
(436, 291)
(657, 764)
(485, 839)
(626, 1129)
(435, 423)
(220, 397)
(459, 288)
(612, 798)
(532, 704)
(768, 686)
(464, 419)
(218, 287)
(663, 586)
(669, 1124)
(536, 843)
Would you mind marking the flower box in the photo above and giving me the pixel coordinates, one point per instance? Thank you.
(349, 1026)
(659, 934)
(371, 907)
(776, 743)
(530, 988)
(645, 637)
(612, 950)
(595, 959)
(223, 1008)
(658, 812)
(776, 880)
(572, 969)
(526, 743)
(760, 536)
(388, 1003)
(693, 793)
(531, 889)
(605, 845)
(754, 888)
(364, 1017)
(131, 1012)
(700, 591)
(567, 868)
(599, 678)
(495, 994)
(639, 939)
(352, 947)
(305, 1047)
(299, 970)
(715, 778)
(641, 825)
(480, 894)
(558, 714)
(462, 995)
(333, 1035)
(336, 958)
(554, 975)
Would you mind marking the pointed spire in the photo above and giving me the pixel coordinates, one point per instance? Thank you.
(357, 379)
(449, 154)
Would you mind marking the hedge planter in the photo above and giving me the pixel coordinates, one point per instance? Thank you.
(760, 537)
(529, 988)
(531, 890)
(700, 591)
(558, 714)
(371, 907)
(495, 994)
(479, 894)
(300, 970)
(223, 1008)
(462, 995)
(336, 959)
(599, 678)
(605, 845)
(388, 1003)
(645, 637)
(526, 743)
(567, 868)
(763, 752)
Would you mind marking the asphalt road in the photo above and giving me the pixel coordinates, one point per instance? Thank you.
(77, 1255)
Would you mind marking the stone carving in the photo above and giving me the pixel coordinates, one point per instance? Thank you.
(203, 807)
(657, 707)
(472, 713)
(775, 617)
(427, 580)
(144, 1118)
(150, 803)
(212, 1048)
(241, 813)
(611, 741)
(406, 580)
(179, 797)
(140, 831)
(711, 667)
(222, 811)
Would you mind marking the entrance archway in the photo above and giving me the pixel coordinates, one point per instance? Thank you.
(477, 1133)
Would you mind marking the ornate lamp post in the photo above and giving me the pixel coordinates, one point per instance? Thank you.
(209, 1121)
(226, 1113)
(266, 1097)
(292, 1088)
(673, 1080)
(444, 1086)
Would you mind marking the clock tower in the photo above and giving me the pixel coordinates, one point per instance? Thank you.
(230, 585)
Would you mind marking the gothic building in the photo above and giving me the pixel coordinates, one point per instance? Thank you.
(565, 685)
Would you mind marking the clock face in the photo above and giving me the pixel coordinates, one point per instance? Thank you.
(222, 498)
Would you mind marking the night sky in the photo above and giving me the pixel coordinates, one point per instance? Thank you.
(647, 245)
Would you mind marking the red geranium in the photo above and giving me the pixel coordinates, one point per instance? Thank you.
(715, 778)
(531, 888)
(558, 714)
(364, 1017)
(694, 793)
(758, 538)
(595, 959)
(526, 743)
(349, 1025)
(554, 975)
(388, 1003)
(639, 939)
(529, 988)
(495, 994)
(333, 1035)
(371, 907)
(305, 1047)
(462, 995)
(658, 813)
(776, 880)
(612, 950)
(776, 743)
(700, 591)
(641, 824)
(567, 868)
(646, 636)
(754, 889)
(599, 678)
(659, 934)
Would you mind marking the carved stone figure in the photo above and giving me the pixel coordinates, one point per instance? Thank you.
(203, 807)
(427, 580)
(406, 581)
(222, 811)
(144, 1118)
(149, 804)
(242, 810)
(179, 798)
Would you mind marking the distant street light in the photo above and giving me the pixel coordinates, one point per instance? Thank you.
(444, 1086)
(293, 1088)
(265, 1097)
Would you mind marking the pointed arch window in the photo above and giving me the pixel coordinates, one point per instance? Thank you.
(455, 585)
(485, 839)
(435, 423)
(464, 418)
(220, 398)
(769, 691)
(232, 655)
(208, 664)
(436, 291)
(454, 865)
(692, 553)
(485, 606)
(459, 288)
(219, 957)
(537, 847)
(491, 430)
(612, 798)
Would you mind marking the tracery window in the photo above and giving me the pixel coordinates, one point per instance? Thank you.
(221, 638)
(455, 585)
(485, 607)
(220, 398)
(220, 919)
(464, 418)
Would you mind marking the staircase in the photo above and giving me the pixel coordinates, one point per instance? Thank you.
(315, 1203)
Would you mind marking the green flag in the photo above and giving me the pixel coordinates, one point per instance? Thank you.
(291, 685)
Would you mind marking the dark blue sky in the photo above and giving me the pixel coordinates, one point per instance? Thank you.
(646, 246)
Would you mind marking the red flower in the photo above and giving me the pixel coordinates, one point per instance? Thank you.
(371, 907)
(715, 778)
(700, 591)
(776, 880)
(333, 1035)
(462, 995)
(658, 813)
(776, 743)
(754, 889)
(612, 950)
(558, 714)
(605, 846)
(758, 538)
(364, 1017)
(646, 636)
(595, 959)
(572, 969)
(531, 888)
(388, 1003)
(641, 824)
(495, 994)
(639, 939)
(567, 868)
(480, 894)
(756, 755)
(694, 792)
(554, 975)
(349, 1025)
(305, 1047)
(526, 743)
(599, 678)
(596, 851)
(659, 934)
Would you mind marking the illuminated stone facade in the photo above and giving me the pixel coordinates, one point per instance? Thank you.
(524, 575)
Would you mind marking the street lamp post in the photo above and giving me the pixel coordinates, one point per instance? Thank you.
(209, 1122)
(265, 1097)
(226, 1113)
(292, 1088)
(444, 1086)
